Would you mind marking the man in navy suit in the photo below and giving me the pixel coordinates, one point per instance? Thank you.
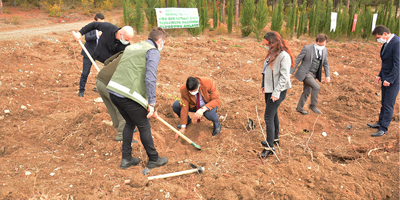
(388, 77)
(91, 39)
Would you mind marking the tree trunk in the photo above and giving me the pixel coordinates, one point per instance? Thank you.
(15, 3)
(236, 12)
(223, 11)
(348, 6)
(166, 3)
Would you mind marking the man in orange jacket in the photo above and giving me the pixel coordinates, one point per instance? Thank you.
(198, 95)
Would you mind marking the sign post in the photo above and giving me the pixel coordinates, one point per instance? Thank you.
(168, 18)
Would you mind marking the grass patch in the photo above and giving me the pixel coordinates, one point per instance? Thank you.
(237, 46)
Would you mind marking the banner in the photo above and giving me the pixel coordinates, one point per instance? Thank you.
(374, 21)
(333, 21)
(177, 17)
(354, 23)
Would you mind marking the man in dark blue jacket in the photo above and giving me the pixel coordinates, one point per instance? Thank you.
(91, 39)
(388, 77)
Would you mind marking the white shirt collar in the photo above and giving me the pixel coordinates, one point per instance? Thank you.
(390, 38)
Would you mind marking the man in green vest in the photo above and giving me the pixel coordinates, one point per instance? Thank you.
(133, 91)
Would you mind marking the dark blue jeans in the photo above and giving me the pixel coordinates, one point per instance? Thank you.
(389, 95)
(271, 117)
(210, 115)
(135, 115)
(87, 64)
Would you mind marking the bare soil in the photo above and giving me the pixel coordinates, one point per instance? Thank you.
(55, 145)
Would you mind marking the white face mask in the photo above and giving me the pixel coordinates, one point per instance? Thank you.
(124, 42)
(320, 48)
(194, 93)
(381, 40)
(267, 48)
(161, 46)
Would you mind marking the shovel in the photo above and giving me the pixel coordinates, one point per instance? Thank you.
(179, 133)
(197, 169)
(87, 53)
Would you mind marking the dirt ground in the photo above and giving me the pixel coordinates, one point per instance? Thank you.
(55, 145)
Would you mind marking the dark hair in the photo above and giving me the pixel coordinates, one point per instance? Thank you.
(157, 33)
(277, 44)
(380, 29)
(321, 38)
(192, 83)
(98, 16)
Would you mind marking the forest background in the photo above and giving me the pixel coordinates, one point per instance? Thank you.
(247, 17)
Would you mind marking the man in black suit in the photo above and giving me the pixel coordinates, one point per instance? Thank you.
(388, 77)
(312, 57)
(91, 39)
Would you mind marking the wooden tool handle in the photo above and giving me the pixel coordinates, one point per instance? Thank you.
(176, 131)
(176, 173)
(88, 54)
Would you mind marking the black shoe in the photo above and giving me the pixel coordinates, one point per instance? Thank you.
(378, 134)
(125, 163)
(179, 125)
(315, 109)
(266, 152)
(160, 162)
(80, 94)
(374, 125)
(217, 129)
(303, 112)
(264, 143)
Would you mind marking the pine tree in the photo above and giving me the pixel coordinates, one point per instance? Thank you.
(360, 22)
(151, 12)
(261, 18)
(230, 16)
(296, 20)
(301, 20)
(215, 14)
(339, 20)
(127, 12)
(367, 23)
(220, 11)
(138, 20)
(172, 3)
(328, 12)
(247, 20)
(389, 21)
(322, 18)
(311, 19)
(381, 14)
(352, 12)
(193, 31)
(205, 15)
(345, 21)
(273, 20)
(278, 21)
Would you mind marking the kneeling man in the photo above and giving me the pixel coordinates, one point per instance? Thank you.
(199, 95)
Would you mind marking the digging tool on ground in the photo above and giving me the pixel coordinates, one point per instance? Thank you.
(87, 53)
(179, 133)
(197, 169)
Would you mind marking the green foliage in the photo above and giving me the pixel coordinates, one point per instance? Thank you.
(193, 31)
(296, 20)
(151, 13)
(205, 15)
(138, 17)
(230, 16)
(352, 11)
(381, 14)
(215, 14)
(172, 3)
(292, 19)
(390, 18)
(246, 19)
(311, 19)
(302, 19)
(261, 18)
(220, 11)
(277, 18)
(328, 11)
(127, 11)
(367, 23)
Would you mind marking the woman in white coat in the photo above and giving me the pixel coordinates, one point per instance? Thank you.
(275, 82)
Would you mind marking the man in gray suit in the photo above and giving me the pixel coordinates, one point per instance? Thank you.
(312, 58)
